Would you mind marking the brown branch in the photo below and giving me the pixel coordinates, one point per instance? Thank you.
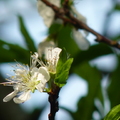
(65, 15)
(53, 99)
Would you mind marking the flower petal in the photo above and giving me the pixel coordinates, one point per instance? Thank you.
(10, 96)
(44, 46)
(34, 70)
(46, 12)
(56, 50)
(41, 86)
(55, 54)
(52, 55)
(22, 98)
(81, 41)
(44, 72)
(34, 60)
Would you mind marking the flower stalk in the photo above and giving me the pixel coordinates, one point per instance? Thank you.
(53, 100)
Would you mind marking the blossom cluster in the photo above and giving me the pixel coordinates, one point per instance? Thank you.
(27, 79)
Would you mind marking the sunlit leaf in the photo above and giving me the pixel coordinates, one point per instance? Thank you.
(114, 114)
(63, 68)
(62, 74)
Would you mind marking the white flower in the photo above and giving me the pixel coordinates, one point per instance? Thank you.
(79, 38)
(46, 12)
(81, 41)
(51, 55)
(79, 17)
(26, 80)
(44, 45)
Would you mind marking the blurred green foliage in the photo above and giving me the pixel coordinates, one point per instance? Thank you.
(117, 7)
(81, 66)
(28, 40)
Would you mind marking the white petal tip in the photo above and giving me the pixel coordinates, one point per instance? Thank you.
(9, 96)
(4, 100)
(17, 101)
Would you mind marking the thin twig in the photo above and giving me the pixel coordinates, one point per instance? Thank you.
(69, 18)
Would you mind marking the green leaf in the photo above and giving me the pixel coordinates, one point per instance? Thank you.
(85, 106)
(70, 2)
(114, 114)
(114, 88)
(63, 68)
(117, 7)
(88, 72)
(28, 40)
(92, 53)
(116, 38)
(55, 28)
(9, 52)
(62, 58)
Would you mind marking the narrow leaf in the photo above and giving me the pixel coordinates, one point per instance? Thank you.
(27, 37)
(9, 52)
